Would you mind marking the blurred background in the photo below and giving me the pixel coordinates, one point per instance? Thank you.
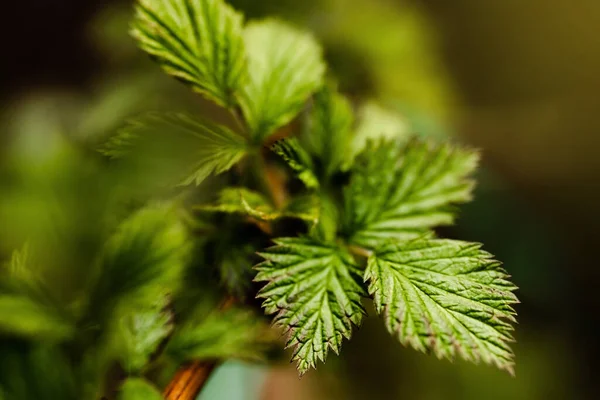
(518, 79)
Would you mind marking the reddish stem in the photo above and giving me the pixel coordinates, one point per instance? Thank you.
(189, 380)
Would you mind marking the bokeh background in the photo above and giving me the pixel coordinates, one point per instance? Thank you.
(517, 78)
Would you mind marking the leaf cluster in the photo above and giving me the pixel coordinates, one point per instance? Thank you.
(300, 197)
(365, 195)
(123, 314)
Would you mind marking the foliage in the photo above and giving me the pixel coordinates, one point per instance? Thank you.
(330, 209)
(255, 205)
(315, 291)
(141, 332)
(189, 148)
(197, 41)
(233, 333)
(138, 389)
(400, 192)
(284, 68)
(445, 296)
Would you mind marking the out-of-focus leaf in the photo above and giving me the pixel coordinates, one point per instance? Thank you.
(177, 147)
(326, 226)
(236, 270)
(25, 317)
(397, 47)
(35, 372)
(21, 276)
(138, 389)
(230, 333)
(141, 331)
(143, 259)
(377, 123)
(17, 266)
(25, 308)
(329, 133)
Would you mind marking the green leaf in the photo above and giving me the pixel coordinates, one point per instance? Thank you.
(177, 147)
(141, 332)
(402, 192)
(330, 126)
(247, 202)
(138, 389)
(285, 67)
(144, 259)
(298, 160)
(243, 201)
(23, 278)
(25, 317)
(445, 296)
(376, 123)
(34, 371)
(26, 307)
(222, 334)
(197, 41)
(315, 290)
(326, 227)
(236, 269)
(18, 265)
(305, 207)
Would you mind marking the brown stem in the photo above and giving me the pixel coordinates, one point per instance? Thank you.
(189, 380)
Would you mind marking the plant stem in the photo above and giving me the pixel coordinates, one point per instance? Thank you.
(260, 174)
(189, 380)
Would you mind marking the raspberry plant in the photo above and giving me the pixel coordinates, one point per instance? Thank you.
(284, 196)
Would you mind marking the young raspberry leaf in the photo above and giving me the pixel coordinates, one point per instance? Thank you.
(285, 67)
(298, 159)
(140, 332)
(329, 132)
(315, 290)
(221, 334)
(27, 309)
(197, 41)
(243, 201)
(33, 370)
(143, 259)
(26, 317)
(445, 296)
(239, 200)
(401, 192)
(326, 138)
(176, 148)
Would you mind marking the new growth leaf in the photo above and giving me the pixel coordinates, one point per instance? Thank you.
(401, 192)
(445, 296)
(315, 292)
(197, 41)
